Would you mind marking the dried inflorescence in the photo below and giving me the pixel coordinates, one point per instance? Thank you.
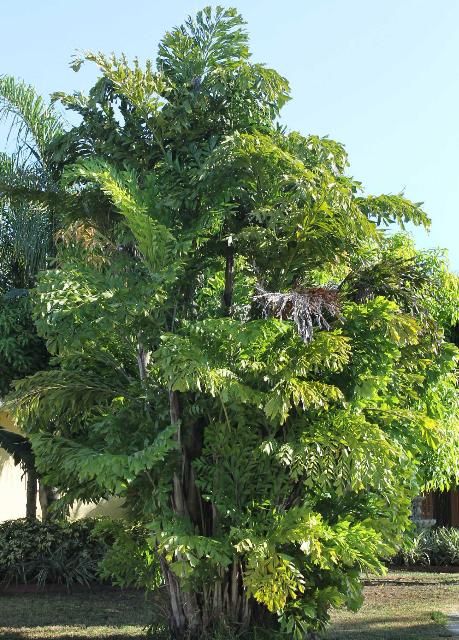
(306, 307)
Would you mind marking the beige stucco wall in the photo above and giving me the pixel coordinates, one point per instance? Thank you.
(13, 490)
(12, 482)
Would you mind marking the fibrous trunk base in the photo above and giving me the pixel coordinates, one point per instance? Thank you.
(222, 604)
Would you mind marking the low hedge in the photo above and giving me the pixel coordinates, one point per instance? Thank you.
(68, 553)
(438, 547)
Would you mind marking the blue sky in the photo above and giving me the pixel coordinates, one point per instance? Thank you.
(380, 76)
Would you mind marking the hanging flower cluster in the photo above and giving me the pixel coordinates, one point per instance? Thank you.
(306, 307)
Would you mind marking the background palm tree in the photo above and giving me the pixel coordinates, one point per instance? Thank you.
(27, 225)
(27, 221)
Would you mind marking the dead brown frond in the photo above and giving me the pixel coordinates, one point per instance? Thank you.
(80, 234)
(306, 307)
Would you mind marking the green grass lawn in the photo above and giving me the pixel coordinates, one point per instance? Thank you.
(106, 614)
(402, 606)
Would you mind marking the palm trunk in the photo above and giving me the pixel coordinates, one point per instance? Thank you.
(143, 359)
(229, 281)
(31, 493)
(185, 618)
(47, 496)
(224, 603)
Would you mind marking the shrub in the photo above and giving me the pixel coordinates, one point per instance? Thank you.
(34, 552)
(131, 560)
(436, 547)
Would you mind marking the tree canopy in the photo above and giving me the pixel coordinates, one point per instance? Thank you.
(240, 349)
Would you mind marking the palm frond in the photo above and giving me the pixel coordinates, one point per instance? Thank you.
(28, 203)
(34, 122)
(214, 37)
(25, 242)
(18, 447)
(398, 279)
(389, 209)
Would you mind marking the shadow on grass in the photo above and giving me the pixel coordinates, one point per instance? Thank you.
(387, 628)
(409, 583)
(25, 635)
(110, 611)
